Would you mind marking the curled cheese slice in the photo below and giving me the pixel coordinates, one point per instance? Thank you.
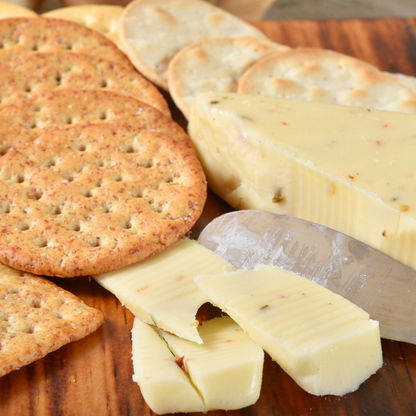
(161, 289)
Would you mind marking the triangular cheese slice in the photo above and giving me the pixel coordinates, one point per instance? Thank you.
(349, 168)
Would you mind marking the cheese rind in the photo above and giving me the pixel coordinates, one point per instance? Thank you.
(164, 386)
(325, 343)
(348, 168)
(227, 369)
(161, 291)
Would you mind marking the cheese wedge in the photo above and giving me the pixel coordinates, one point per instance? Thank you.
(224, 373)
(351, 169)
(227, 369)
(165, 387)
(161, 291)
(324, 342)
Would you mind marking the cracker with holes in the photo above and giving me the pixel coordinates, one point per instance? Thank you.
(91, 199)
(41, 72)
(38, 317)
(313, 74)
(22, 36)
(101, 17)
(27, 119)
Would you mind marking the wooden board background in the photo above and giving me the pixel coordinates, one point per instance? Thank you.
(94, 376)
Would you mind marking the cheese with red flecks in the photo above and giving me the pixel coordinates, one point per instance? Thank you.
(160, 290)
(177, 375)
(323, 341)
(348, 168)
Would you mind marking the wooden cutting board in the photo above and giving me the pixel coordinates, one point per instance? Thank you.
(94, 376)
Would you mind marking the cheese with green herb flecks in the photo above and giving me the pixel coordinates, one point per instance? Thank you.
(348, 168)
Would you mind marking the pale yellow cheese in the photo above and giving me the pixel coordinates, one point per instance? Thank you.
(165, 387)
(227, 369)
(349, 168)
(225, 372)
(324, 342)
(161, 291)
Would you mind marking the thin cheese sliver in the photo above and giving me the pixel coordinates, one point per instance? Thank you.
(324, 342)
(177, 375)
(227, 369)
(161, 290)
(164, 385)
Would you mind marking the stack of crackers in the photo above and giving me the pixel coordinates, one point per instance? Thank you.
(190, 47)
(309, 74)
(94, 176)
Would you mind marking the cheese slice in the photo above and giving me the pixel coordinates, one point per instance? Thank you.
(161, 289)
(165, 387)
(324, 342)
(227, 369)
(224, 373)
(351, 169)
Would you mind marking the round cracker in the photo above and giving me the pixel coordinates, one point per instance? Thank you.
(8, 9)
(21, 36)
(153, 31)
(313, 74)
(214, 64)
(91, 199)
(27, 119)
(40, 72)
(101, 17)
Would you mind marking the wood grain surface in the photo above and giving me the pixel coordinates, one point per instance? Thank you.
(94, 376)
(339, 9)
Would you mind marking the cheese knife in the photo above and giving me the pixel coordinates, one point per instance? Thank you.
(383, 287)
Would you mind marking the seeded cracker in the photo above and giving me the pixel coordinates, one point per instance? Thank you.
(91, 199)
(40, 72)
(21, 36)
(38, 317)
(27, 119)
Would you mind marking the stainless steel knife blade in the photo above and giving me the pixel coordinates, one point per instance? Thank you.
(383, 287)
